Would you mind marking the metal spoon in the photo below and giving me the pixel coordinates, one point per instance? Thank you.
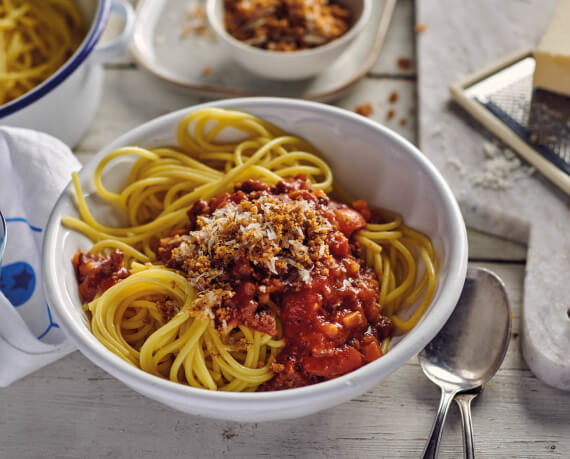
(463, 400)
(470, 347)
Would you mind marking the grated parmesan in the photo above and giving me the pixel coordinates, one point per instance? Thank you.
(267, 232)
(501, 169)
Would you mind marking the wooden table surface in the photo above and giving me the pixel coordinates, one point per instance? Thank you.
(73, 409)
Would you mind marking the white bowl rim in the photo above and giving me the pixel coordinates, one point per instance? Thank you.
(91, 38)
(146, 382)
(354, 29)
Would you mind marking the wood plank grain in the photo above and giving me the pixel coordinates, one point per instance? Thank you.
(399, 44)
(132, 97)
(484, 246)
(379, 93)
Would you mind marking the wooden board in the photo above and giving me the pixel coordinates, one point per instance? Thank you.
(461, 38)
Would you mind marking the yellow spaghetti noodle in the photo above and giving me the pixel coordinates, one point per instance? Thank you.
(36, 38)
(162, 185)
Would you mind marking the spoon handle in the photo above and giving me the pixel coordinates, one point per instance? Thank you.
(464, 404)
(432, 446)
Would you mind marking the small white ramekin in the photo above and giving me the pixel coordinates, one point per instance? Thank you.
(64, 105)
(368, 160)
(294, 65)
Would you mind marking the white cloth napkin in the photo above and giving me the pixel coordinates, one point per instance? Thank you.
(34, 169)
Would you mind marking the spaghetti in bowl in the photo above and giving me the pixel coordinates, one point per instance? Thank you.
(427, 206)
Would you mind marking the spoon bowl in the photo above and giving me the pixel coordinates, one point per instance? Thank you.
(471, 346)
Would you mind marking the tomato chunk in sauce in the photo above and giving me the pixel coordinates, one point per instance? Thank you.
(96, 273)
(332, 327)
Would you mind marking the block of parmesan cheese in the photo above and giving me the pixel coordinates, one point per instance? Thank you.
(552, 56)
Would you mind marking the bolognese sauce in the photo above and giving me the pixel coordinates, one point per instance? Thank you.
(96, 273)
(285, 252)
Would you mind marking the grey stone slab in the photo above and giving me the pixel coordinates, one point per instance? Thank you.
(461, 38)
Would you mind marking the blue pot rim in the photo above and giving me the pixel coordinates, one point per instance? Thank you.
(3, 234)
(68, 68)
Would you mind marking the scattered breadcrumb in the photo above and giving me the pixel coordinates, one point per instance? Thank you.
(201, 30)
(405, 63)
(420, 27)
(403, 121)
(393, 97)
(207, 70)
(186, 31)
(364, 109)
(390, 113)
(197, 11)
(195, 21)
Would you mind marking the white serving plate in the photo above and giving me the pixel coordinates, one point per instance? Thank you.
(369, 160)
(158, 47)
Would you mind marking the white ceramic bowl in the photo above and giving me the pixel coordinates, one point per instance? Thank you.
(294, 65)
(65, 103)
(370, 161)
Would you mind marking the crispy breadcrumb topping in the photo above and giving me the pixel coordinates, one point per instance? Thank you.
(285, 238)
(286, 25)
(243, 251)
(365, 109)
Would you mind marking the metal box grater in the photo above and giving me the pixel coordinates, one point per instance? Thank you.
(534, 122)
(541, 118)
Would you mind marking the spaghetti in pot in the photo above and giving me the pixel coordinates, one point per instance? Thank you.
(36, 38)
(237, 271)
